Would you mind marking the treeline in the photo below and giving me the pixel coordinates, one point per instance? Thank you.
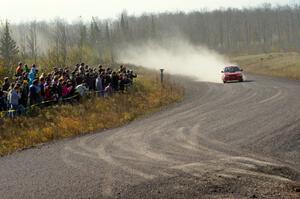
(229, 31)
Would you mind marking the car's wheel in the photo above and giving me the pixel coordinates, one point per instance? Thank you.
(241, 80)
(224, 82)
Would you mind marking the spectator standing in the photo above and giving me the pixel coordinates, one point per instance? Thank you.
(115, 81)
(26, 69)
(108, 90)
(13, 99)
(54, 89)
(59, 88)
(122, 69)
(6, 84)
(99, 85)
(33, 69)
(24, 90)
(131, 75)
(101, 69)
(34, 96)
(31, 76)
(66, 89)
(42, 87)
(19, 70)
(81, 89)
(78, 79)
(3, 106)
(47, 90)
(61, 83)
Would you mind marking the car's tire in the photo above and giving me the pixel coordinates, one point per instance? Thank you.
(224, 82)
(242, 80)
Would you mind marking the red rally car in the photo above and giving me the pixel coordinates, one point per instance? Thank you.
(232, 73)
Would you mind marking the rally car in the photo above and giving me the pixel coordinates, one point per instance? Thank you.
(232, 73)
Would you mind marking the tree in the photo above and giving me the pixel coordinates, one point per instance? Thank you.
(153, 28)
(95, 34)
(109, 41)
(60, 43)
(8, 47)
(32, 40)
(97, 38)
(232, 31)
(82, 39)
(22, 43)
(124, 25)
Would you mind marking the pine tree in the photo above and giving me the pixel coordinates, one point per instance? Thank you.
(8, 47)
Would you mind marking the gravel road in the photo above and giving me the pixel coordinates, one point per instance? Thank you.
(237, 140)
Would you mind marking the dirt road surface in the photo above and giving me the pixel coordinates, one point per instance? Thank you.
(238, 140)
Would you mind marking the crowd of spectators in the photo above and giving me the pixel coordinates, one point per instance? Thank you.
(28, 87)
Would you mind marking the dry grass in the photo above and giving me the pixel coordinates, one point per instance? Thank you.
(92, 115)
(274, 64)
(3, 73)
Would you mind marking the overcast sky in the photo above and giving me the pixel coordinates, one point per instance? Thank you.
(24, 10)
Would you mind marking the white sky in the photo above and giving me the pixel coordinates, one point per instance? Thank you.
(24, 10)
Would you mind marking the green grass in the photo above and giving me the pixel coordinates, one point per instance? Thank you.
(273, 64)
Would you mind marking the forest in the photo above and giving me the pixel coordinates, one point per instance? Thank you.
(229, 31)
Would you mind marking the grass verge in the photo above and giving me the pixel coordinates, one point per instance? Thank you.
(274, 64)
(94, 114)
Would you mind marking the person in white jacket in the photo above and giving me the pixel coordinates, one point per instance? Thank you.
(99, 85)
(13, 99)
(81, 89)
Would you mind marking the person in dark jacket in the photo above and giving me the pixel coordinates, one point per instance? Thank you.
(123, 83)
(24, 90)
(101, 69)
(107, 80)
(42, 85)
(59, 88)
(34, 90)
(115, 81)
(131, 75)
(6, 84)
(89, 81)
(78, 79)
(3, 103)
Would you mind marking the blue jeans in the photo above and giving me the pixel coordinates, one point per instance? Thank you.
(16, 109)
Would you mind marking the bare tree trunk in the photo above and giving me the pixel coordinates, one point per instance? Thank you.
(32, 40)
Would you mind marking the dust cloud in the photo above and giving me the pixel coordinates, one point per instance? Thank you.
(176, 56)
